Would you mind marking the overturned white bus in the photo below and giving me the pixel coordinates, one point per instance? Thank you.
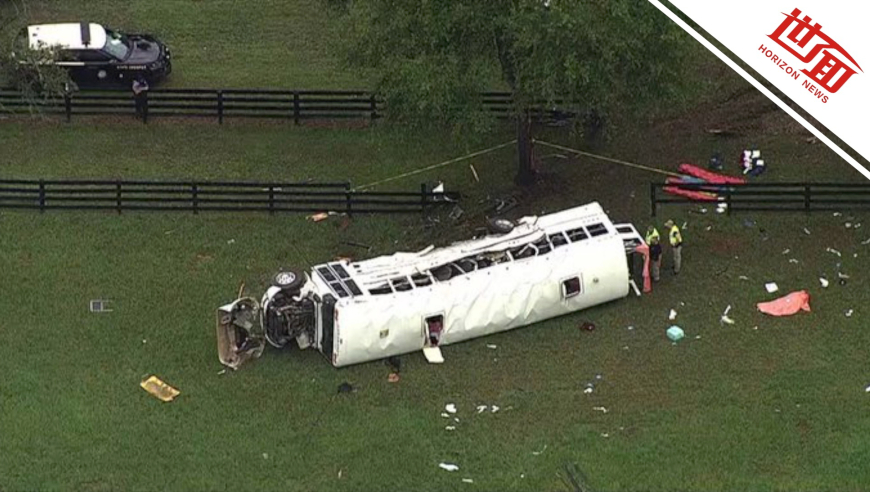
(355, 312)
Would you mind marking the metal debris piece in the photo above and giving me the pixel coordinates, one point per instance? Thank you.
(448, 466)
(495, 408)
(450, 407)
(491, 346)
(807, 231)
(450, 427)
(849, 312)
(793, 260)
(600, 409)
(538, 453)
(474, 173)
(848, 225)
(99, 306)
(833, 251)
(743, 277)
(159, 389)
(824, 282)
(837, 214)
(467, 480)
(672, 315)
(481, 408)
(724, 319)
(771, 287)
(445, 415)
(786, 251)
(231, 241)
(588, 390)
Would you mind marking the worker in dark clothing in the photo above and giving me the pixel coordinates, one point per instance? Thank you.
(140, 95)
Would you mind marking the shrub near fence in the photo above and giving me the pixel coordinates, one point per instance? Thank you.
(296, 105)
(783, 197)
(120, 196)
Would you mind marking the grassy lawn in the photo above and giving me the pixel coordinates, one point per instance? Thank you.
(764, 404)
(778, 407)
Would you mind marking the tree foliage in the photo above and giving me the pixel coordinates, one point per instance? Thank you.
(431, 59)
(29, 71)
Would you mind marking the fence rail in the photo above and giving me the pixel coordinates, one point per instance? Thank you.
(296, 105)
(131, 195)
(785, 197)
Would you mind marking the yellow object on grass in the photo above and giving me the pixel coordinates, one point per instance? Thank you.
(159, 389)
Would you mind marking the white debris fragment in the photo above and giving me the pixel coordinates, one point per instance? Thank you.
(857, 225)
(837, 214)
(849, 312)
(231, 241)
(842, 275)
(495, 408)
(807, 231)
(538, 453)
(450, 407)
(265, 456)
(673, 315)
(456, 419)
(726, 320)
(450, 428)
(222, 372)
(630, 328)
(467, 480)
(727, 310)
(833, 251)
(708, 228)
(491, 346)
(685, 225)
(604, 434)
(588, 390)
(448, 466)
(771, 287)
(866, 241)
(824, 281)
(793, 260)
(481, 408)
(144, 341)
(600, 409)
(786, 251)
(445, 415)
(743, 277)
(867, 389)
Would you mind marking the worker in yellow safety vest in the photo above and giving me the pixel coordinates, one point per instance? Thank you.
(676, 240)
(653, 240)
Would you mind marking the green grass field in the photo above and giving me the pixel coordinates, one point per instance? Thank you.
(780, 407)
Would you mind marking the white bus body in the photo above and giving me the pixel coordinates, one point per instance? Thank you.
(356, 312)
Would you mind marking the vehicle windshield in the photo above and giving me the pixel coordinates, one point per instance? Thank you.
(117, 45)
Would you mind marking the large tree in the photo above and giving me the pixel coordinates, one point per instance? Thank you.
(431, 59)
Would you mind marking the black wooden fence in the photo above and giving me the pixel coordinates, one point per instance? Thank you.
(786, 197)
(296, 105)
(201, 196)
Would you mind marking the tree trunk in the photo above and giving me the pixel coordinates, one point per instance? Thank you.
(526, 171)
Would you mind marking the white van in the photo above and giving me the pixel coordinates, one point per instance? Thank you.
(356, 312)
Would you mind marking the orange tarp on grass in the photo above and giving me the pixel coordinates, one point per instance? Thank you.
(786, 305)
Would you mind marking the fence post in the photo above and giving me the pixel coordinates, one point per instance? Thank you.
(271, 200)
(296, 107)
(195, 190)
(374, 109)
(652, 199)
(67, 102)
(118, 196)
(220, 106)
(423, 197)
(348, 200)
(807, 198)
(728, 191)
(41, 196)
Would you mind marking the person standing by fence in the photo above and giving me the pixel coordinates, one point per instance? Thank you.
(676, 240)
(140, 94)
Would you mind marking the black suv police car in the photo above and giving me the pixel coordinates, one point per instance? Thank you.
(97, 56)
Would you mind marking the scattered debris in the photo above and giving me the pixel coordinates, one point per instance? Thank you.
(771, 287)
(807, 231)
(222, 372)
(675, 333)
(866, 241)
(393, 377)
(724, 319)
(491, 346)
(824, 282)
(849, 312)
(467, 480)
(793, 260)
(587, 325)
(450, 407)
(867, 389)
(588, 390)
(456, 419)
(481, 408)
(743, 277)
(450, 427)
(848, 225)
(265, 456)
(538, 453)
(456, 213)
(448, 466)
(345, 388)
(495, 408)
(474, 173)
(318, 217)
(231, 241)
(786, 251)
(833, 251)
(144, 341)
(630, 328)
(445, 415)
(708, 228)
(786, 305)
(600, 409)
(673, 315)
(160, 390)
(604, 434)
(99, 306)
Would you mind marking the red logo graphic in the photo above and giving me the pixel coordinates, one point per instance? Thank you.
(807, 42)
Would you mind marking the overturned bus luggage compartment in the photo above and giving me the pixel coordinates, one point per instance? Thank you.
(354, 312)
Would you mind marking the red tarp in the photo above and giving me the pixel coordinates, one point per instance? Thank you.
(710, 176)
(786, 305)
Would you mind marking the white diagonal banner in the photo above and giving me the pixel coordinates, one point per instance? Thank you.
(817, 52)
